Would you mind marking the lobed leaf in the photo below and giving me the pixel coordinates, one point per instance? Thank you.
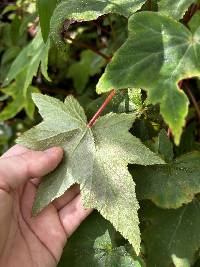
(95, 244)
(171, 233)
(175, 9)
(170, 185)
(157, 55)
(95, 158)
(78, 10)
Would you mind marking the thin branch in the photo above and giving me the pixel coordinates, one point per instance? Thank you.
(196, 106)
(189, 14)
(84, 45)
(100, 110)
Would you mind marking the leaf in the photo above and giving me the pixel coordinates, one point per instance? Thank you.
(188, 140)
(170, 185)
(95, 158)
(194, 22)
(171, 232)
(180, 262)
(89, 65)
(95, 244)
(19, 100)
(175, 9)
(6, 60)
(29, 60)
(164, 146)
(135, 97)
(45, 10)
(157, 55)
(78, 10)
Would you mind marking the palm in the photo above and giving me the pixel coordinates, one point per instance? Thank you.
(37, 241)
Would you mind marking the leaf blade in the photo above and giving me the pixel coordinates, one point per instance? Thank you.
(163, 52)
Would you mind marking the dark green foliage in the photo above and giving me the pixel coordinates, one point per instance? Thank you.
(148, 51)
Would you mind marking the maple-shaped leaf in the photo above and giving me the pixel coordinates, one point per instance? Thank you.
(170, 233)
(95, 158)
(170, 185)
(157, 55)
(78, 10)
(96, 244)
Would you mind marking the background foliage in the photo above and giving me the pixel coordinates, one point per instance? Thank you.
(149, 52)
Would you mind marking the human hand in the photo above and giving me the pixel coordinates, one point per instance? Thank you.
(34, 241)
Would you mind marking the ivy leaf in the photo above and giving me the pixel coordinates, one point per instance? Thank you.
(28, 61)
(45, 10)
(19, 100)
(95, 158)
(95, 244)
(78, 10)
(170, 185)
(171, 233)
(157, 55)
(175, 9)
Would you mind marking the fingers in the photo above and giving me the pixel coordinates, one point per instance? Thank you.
(72, 215)
(70, 194)
(15, 170)
(15, 150)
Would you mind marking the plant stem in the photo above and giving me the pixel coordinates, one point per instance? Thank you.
(108, 58)
(196, 106)
(191, 12)
(100, 110)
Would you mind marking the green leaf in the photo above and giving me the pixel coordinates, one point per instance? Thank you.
(6, 60)
(135, 97)
(170, 185)
(89, 65)
(188, 140)
(157, 55)
(95, 158)
(180, 262)
(45, 10)
(19, 100)
(175, 9)
(194, 22)
(95, 244)
(164, 146)
(78, 10)
(171, 233)
(29, 59)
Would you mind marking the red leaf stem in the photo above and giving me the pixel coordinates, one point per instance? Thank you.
(100, 110)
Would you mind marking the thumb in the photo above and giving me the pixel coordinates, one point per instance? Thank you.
(15, 170)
